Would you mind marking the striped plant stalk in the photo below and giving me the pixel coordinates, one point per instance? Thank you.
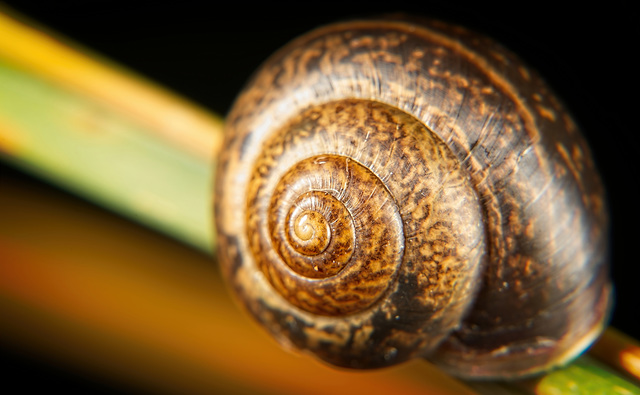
(107, 134)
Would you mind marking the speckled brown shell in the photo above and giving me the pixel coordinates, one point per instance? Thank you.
(391, 190)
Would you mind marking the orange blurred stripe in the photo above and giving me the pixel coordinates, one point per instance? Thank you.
(102, 273)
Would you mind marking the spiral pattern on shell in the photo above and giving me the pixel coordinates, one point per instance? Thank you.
(369, 191)
(389, 188)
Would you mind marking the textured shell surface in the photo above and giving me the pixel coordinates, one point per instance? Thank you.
(393, 189)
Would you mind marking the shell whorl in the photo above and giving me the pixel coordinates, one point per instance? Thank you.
(390, 208)
(387, 184)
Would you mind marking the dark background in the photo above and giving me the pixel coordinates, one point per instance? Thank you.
(206, 53)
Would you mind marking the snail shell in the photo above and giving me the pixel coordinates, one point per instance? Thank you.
(392, 189)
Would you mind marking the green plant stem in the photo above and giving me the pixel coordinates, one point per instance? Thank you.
(95, 151)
